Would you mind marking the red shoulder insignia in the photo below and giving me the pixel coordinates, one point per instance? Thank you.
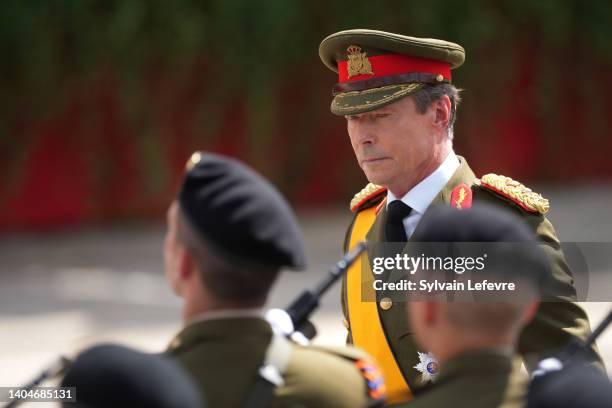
(367, 195)
(461, 196)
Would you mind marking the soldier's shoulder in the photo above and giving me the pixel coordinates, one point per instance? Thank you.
(512, 192)
(346, 352)
(326, 375)
(372, 194)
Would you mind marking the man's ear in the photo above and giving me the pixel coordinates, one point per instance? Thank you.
(443, 111)
(186, 265)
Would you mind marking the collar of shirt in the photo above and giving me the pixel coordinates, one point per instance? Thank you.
(423, 193)
(225, 314)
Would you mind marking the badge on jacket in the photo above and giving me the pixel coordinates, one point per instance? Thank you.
(427, 366)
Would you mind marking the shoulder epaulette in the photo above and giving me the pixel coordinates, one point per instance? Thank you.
(518, 193)
(368, 195)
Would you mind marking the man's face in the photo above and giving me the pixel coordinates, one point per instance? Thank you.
(393, 143)
(172, 248)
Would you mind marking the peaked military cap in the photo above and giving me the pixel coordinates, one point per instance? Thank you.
(116, 376)
(376, 68)
(240, 214)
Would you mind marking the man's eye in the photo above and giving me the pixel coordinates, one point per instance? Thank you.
(381, 115)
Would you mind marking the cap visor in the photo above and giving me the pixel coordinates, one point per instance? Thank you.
(354, 102)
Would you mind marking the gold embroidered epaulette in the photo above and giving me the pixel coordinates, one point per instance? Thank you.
(366, 195)
(517, 192)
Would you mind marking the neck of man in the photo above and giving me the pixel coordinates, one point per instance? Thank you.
(198, 301)
(406, 182)
(459, 346)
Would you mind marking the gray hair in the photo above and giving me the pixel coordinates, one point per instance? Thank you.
(429, 93)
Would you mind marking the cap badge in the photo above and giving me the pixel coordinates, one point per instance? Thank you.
(428, 367)
(358, 62)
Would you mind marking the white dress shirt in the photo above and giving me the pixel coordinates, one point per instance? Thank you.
(421, 195)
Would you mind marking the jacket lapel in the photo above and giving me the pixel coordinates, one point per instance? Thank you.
(396, 320)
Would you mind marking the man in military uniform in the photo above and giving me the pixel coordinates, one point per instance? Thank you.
(396, 94)
(229, 234)
(474, 341)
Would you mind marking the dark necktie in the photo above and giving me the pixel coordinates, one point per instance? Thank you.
(394, 229)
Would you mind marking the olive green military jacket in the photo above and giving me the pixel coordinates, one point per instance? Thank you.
(555, 323)
(223, 356)
(475, 380)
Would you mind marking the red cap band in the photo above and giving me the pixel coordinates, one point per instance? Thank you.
(394, 64)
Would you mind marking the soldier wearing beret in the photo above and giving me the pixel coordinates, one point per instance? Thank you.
(396, 95)
(116, 376)
(574, 385)
(229, 234)
(474, 341)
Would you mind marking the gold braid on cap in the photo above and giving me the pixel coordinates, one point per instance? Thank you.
(517, 192)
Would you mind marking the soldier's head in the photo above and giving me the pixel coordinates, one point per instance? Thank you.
(229, 234)
(398, 101)
(490, 319)
(115, 376)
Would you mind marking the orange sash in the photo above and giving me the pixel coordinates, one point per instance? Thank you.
(366, 327)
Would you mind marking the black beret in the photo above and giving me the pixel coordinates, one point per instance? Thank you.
(487, 224)
(116, 376)
(576, 385)
(239, 213)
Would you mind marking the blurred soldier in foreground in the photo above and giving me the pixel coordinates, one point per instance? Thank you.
(576, 385)
(474, 342)
(229, 234)
(396, 95)
(569, 381)
(116, 376)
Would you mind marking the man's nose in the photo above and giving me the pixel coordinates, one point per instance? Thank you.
(363, 132)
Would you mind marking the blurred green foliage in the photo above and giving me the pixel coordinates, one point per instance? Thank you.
(45, 43)
(251, 48)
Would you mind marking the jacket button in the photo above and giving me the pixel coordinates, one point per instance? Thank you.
(386, 303)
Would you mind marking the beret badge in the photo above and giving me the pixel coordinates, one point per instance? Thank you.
(193, 161)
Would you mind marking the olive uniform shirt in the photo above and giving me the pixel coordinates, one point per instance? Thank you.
(483, 379)
(554, 325)
(223, 356)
